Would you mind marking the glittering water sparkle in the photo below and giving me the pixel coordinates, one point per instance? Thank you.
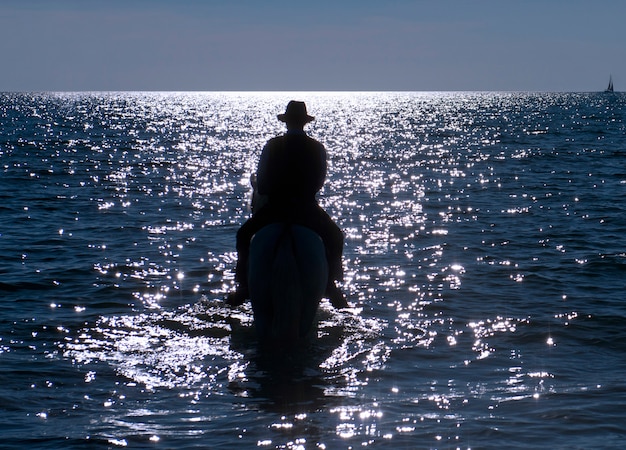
(484, 265)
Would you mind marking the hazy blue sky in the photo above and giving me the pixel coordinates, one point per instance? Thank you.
(212, 45)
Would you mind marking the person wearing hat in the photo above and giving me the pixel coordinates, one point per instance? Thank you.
(291, 170)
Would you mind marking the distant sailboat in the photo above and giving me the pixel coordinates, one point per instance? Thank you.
(610, 88)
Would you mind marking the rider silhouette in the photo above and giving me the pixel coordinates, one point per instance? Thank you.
(291, 170)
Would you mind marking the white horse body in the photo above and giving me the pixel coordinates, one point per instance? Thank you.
(287, 278)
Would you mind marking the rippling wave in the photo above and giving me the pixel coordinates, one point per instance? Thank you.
(484, 265)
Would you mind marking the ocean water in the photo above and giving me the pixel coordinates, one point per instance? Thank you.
(485, 265)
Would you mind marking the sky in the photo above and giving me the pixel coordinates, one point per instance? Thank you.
(312, 45)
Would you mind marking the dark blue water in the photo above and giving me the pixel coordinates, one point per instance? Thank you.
(485, 265)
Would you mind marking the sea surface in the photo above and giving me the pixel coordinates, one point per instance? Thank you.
(485, 264)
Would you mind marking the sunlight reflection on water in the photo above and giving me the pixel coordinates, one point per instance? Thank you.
(449, 234)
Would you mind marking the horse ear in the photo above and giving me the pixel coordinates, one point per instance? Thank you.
(258, 201)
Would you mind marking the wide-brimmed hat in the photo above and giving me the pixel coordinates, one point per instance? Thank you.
(295, 113)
